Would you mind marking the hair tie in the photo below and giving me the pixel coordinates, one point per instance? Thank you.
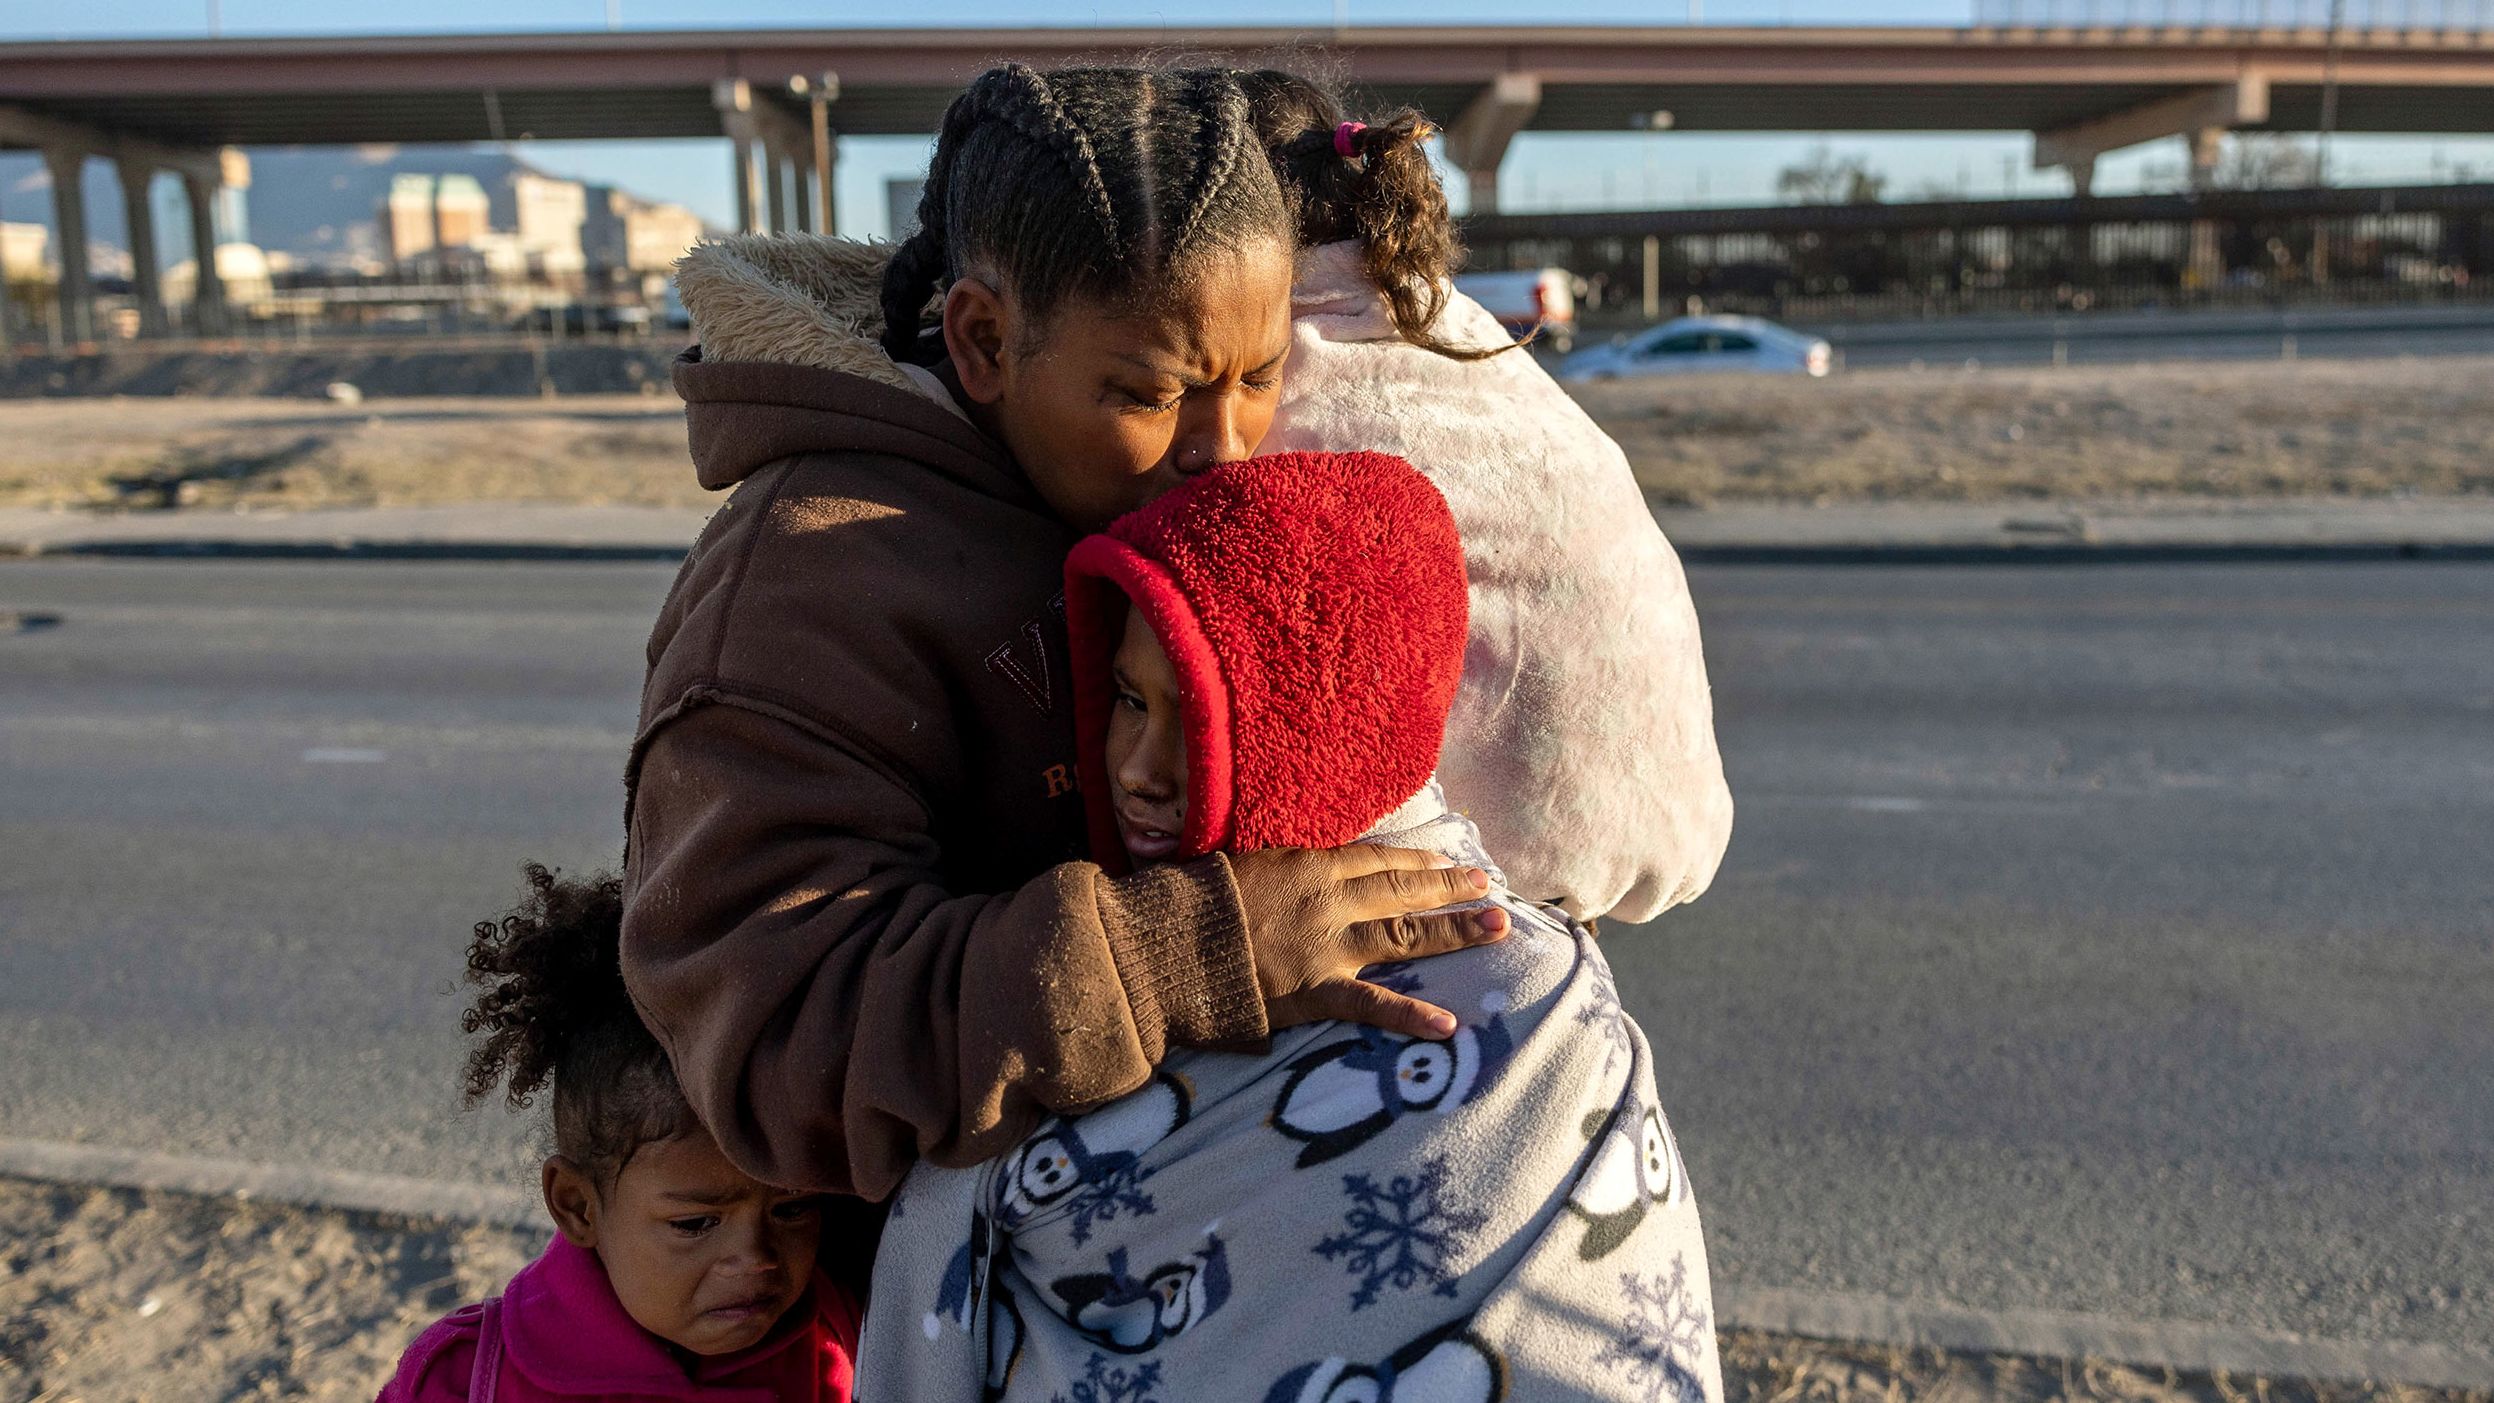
(1344, 136)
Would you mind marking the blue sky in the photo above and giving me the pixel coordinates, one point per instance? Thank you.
(1617, 170)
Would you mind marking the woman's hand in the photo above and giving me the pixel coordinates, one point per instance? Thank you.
(1316, 919)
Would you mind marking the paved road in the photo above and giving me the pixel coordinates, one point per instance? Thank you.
(2112, 939)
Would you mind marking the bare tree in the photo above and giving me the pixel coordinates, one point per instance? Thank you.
(2250, 161)
(1825, 178)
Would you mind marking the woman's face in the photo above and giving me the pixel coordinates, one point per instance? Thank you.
(1147, 747)
(1107, 411)
(700, 1253)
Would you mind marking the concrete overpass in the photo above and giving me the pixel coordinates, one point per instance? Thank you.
(783, 97)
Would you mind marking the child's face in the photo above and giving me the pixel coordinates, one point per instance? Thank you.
(1107, 411)
(1147, 747)
(701, 1254)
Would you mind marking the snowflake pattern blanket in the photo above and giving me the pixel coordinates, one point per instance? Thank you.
(1349, 1216)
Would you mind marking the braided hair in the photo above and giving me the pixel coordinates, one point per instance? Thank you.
(1113, 183)
(1384, 194)
(554, 1013)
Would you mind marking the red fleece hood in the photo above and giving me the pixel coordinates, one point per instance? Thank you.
(1314, 607)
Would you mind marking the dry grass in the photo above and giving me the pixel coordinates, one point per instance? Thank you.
(2307, 429)
(223, 454)
(2235, 431)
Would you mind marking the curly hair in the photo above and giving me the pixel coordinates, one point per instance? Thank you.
(1384, 194)
(554, 1014)
(1112, 183)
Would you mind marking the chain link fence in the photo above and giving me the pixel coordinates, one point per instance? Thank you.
(2351, 16)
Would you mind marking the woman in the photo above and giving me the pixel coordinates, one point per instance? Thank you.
(854, 910)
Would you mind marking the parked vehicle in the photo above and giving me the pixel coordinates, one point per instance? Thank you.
(1541, 299)
(575, 319)
(1690, 345)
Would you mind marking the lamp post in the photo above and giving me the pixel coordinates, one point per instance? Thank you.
(2329, 90)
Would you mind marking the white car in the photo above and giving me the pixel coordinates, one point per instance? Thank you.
(1692, 344)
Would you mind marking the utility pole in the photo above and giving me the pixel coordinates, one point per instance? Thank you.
(2329, 90)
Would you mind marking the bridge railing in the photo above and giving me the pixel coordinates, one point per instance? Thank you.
(2353, 16)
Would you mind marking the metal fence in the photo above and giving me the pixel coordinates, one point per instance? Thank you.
(2242, 249)
(2352, 16)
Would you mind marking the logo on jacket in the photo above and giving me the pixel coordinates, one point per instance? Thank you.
(1341, 1096)
(1029, 662)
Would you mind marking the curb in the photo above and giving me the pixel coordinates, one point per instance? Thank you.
(1863, 1319)
(307, 1186)
(468, 551)
(2183, 1345)
(2074, 553)
(1857, 553)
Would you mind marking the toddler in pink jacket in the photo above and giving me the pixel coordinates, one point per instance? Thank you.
(672, 1274)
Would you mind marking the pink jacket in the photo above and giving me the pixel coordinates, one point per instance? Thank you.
(557, 1332)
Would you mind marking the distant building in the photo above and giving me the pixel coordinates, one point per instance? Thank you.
(22, 248)
(407, 217)
(229, 213)
(243, 268)
(461, 211)
(548, 215)
(635, 235)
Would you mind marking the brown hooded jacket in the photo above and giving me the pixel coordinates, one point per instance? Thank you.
(853, 912)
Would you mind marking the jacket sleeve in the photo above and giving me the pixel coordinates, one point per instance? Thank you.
(834, 1013)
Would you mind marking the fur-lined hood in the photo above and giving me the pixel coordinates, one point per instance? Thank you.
(792, 299)
(791, 362)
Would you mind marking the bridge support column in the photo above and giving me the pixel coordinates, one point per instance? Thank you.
(826, 169)
(2075, 148)
(748, 158)
(208, 286)
(777, 186)
(146, 274)
(1477, 142)
(69, 219)
(733, 97)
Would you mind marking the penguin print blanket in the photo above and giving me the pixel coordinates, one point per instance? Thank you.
(1349, 1216)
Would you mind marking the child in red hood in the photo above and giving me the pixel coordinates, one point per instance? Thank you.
(672, 1275)
(1498, 1213)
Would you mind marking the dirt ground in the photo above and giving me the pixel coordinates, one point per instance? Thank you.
(2312, 428)
(110, 1296)
(143, 454)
